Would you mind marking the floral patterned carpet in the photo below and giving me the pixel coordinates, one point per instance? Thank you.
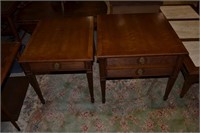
(133, 105)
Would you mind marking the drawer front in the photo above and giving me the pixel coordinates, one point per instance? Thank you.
(139, 72)
(57, 66)
(142, 60)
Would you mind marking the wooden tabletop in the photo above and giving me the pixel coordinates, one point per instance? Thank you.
(136, 35)
(67, 39)
(8, 54)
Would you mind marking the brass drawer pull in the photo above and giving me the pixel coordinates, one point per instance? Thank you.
(140, 72)
(56, 66)
(141, 60)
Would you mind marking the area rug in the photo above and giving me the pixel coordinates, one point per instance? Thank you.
(133, 105)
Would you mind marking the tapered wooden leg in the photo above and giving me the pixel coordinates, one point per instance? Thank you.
(170, 84)
(8, 115)
(90, 84)
(89, 73)
(102, 71)
(103, 90)
(33, 81)
(173, 77)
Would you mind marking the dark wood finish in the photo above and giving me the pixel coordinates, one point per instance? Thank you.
(15, 88)
(191, 75)
(35, 11)
(60, 45)
(150, 60)
(89, 72)
(173, 76)
(57, 40)
(53, 9)
(33, 81)
(103, 76)
(9, 116)
(57, 66)
(128, 48)
(7, 11)
(9, 51)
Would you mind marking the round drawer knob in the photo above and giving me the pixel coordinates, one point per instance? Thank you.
(141, 60)
(56, 66)
(140, 72)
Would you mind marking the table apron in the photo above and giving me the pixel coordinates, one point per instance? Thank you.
(141, 60)
(139, 72)
(57, 67)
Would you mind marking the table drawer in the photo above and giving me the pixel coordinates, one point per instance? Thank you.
(139, 72)
(57, 66)
(142, 60)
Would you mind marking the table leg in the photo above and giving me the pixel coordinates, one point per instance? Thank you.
(170, 84)
(89, 73)
(33, 81)
(102, 70)
(90, 84)
(103, 89)
(173, 77)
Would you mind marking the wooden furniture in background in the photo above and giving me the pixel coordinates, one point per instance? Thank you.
(8, 25)
(60, 45)
(8, 54)
(13, 89)
(130, 48)
(129, 7)
(34, 11)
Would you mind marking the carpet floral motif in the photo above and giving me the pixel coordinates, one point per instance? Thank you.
(133, 105)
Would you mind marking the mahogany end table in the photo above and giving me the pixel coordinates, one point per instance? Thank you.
(60, 46)
(136, 46)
